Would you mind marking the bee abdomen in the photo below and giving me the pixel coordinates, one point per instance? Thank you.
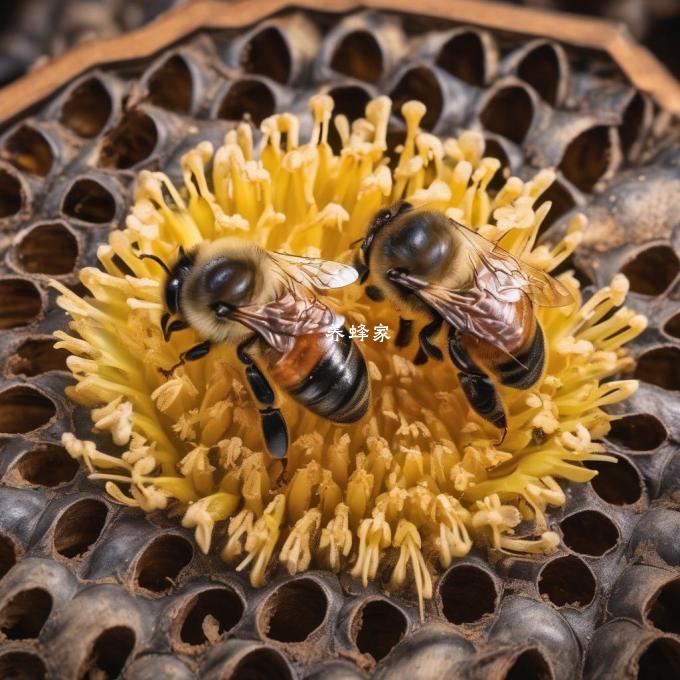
(526, 367)
(337, 387)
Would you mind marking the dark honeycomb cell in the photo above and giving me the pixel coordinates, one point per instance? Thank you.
(543, 67)
(267, 54)
(660, 367)
(420, 83)
(587, 157)
(24, 409)
(28, 149)
(638, 431)
(50, 248)
(358, 55)
(617, 483)
(171, 85)
(20, 303)
(294, 611)
(89, 201)
(378, 626)
(22, 665)
(567, 581)
(36, 355)
(87, 108)
(467, 594)
(109, 653)
(589, 533)
(8, 555)
(208, 615)
(130, 143)
(47, 465)
(79, 527)
(159, 566)
(25, 614)
(464, 56)
(509, 113)
(652, 270)
(247, 99)
(10, 194)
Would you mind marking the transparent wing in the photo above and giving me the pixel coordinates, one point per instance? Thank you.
(280, 321)
(314, 272)
(498, 273)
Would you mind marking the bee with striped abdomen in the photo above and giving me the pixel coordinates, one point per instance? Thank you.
(232, 291)
(430, 266)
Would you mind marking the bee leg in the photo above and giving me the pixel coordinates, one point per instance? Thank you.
(425, 338)
(173, 327)
(477, 386)
(405, 332)
(274, 427)
(192, 354)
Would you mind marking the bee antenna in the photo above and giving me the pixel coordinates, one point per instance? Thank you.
(156, 259)
(354, 243)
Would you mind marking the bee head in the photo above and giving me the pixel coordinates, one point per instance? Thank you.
(226, 283)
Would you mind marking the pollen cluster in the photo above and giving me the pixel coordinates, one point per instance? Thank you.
(421, 478)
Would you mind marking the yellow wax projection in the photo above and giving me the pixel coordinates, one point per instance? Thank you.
(412, 486)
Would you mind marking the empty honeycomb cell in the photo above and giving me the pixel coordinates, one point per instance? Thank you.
(663, 610)
(87, 108)
(24, 615)
(131, 142)
(247, 99)
(47, 465)
(79, 527)
(109, 654)
(161, 563)
(508, 112)
(420, 83)
(294, 611)
(209, 615)
(588, 157)
(652, 270)
(89, 201)
(530, 664)
(562, 200)
(358, 54)
(639, 432)
(661, 367)
(672, 326)
(170, 86)
(567, 581)
(350, 101)
(545, 68)
(267, 54)
(23, 409)
(20, 302)
(8, 554)
(467, 593)
(35, 356)
(11, 194)
(28, 150)
(261, 663)
(377, 628)
(660, 660)
(616, 483)
(50, 248)
(22, 665)
(636, 117)
(463, 55)
(589, 532)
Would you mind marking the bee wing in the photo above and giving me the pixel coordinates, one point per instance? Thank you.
(313, 272)
(287, 317)
(508, 273)
(474, 312)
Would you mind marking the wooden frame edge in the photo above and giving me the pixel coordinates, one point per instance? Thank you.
(639, 65)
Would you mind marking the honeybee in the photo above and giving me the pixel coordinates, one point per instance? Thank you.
(431, 266)
(232, 291)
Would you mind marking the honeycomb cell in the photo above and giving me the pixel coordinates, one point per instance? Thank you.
(267, 54)
(89, 201)
(47, 465)
(661, 659)
(49, 248)
(589, 533)
(27, 149)
(79, 527)
(22, 665)
(616, 483)
(109, 653)
(467, 594)
(587, 157)
(262, 663)
(420, 83)
(24, 616)
(463, 55)
(130, 143)
(652, 270)
(660, 367)
(634, 123)
(509, 113)
(567, 582)
(358, 55)
(664, 608)
(11, 194)
(161, 563)
(639, 432)
(672, 326)
(35, 356)
(531, 664)
(87, 108)
(20, 303)
(377, 628)
(543, 67)
(171, 85)
(247, 99)
(209, 615)
(8, 554)
(24, 409)
(294, 611)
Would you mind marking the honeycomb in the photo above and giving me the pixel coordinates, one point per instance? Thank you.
(90, 589)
